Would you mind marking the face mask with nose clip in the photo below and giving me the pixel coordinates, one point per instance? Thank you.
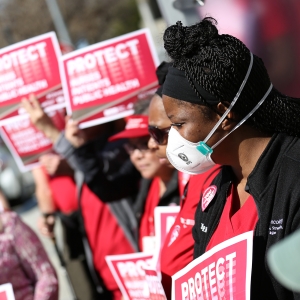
(195, 158)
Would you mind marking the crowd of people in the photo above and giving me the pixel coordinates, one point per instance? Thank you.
(216, 120)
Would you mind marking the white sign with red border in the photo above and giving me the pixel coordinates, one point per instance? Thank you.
(156, 290)
(30, 66)
(108, 74)
(26, 143)
(224, 272)
(164, 218)
(6, 292)
(128, 271)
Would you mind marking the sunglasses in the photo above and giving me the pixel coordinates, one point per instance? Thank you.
(160, 136)
(130, 148)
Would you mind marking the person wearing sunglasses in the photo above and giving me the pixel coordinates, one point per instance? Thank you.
(159, 186)
(160, 138)
(96, 219)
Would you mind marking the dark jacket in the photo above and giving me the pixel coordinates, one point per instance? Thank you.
(275, 186)
(98, 162)
(108, 170)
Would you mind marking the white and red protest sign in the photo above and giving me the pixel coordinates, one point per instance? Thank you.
(49, 101)
(128, 271)
(6, 292)
(164, 218)
(156, 290)
(30, 66)
(224, 272)
(124, 109)
(105, 75)
(26, 143)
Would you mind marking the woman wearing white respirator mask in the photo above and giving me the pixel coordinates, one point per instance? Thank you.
(224, 110)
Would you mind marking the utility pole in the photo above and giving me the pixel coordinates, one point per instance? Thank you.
(59, 24)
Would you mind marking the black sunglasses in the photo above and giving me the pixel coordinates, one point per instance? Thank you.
(160, 136)
(142, 147)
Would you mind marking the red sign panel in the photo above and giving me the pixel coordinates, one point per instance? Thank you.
(106, 74)
(156, 290)
(26, 143)
(6, 292)
(224, 272)
(164, 218)
(27, 67)
(128, 271)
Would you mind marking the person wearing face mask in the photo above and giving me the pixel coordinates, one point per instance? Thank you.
(224, 110)
(159, 126)
(179, 241)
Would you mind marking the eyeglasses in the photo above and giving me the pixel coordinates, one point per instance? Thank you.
(130, 148)
(160, 136)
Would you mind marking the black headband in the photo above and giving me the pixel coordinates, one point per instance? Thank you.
(161, 73)
(177, 86)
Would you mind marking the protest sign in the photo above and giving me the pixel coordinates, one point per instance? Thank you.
(128, 271)
(106, 74)
(26, 143)
(49, 101)
(30, 66)
(224, 272)
(164, 218)
(6, 292)
(124, 109)
(156, 290)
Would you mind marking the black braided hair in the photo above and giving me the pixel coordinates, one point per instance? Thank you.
(219, 64)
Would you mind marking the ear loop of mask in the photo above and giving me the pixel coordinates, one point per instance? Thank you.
(246, 117)
(203, 147)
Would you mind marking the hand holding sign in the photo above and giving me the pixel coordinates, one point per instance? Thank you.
(39, 118)
(74, 134)
(26, 142)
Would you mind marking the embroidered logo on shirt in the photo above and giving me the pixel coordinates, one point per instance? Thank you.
(174, 235)
(275, 226)
(203, 228)
(186, 222)
(208, 195)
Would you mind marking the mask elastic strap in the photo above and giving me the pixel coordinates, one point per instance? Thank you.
(233, 101)
(246, 117)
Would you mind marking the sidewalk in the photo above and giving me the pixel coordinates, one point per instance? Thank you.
(29, 214)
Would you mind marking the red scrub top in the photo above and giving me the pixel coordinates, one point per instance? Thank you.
(178, 247)
(105, 236)
(64, 193)
(183, 179)
(234, 220)
(147, 220)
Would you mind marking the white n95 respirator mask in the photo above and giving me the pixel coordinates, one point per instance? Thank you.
(188, 157)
